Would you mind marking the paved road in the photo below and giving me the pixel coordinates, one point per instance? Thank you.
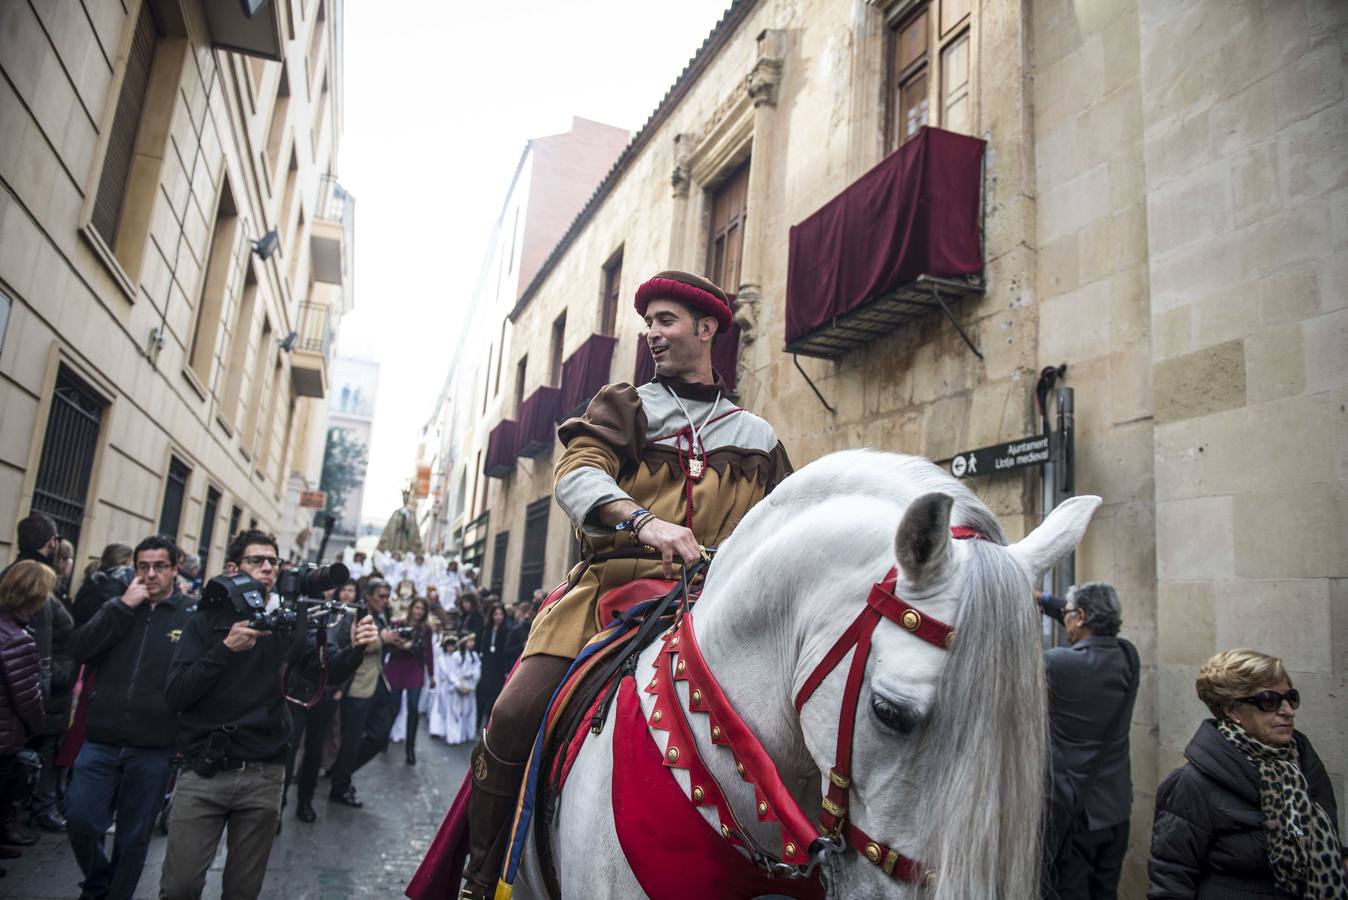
(347, 853)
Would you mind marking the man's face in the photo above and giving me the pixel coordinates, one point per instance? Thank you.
(157, 571)
(259, 563)
(679, 345)
(377, 599)
(50, 549)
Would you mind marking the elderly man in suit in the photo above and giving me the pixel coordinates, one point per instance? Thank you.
(1092, 684)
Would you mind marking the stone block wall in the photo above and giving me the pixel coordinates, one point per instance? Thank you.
(1245, 132)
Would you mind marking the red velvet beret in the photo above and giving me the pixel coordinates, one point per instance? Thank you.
(690, 290)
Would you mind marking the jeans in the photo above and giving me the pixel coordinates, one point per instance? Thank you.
(115, 784)
(248, 801)
(47, 795)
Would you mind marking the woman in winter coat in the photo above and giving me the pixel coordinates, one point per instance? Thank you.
(24, 590)
(1252, 812)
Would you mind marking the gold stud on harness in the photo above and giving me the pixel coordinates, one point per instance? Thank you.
(873, 852)
(911, 619)
(672, 754)
(697, 794)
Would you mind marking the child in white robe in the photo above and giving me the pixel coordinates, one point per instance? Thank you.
(439, 698)
(465, 668)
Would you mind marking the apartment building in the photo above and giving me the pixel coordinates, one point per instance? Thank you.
(175, 255)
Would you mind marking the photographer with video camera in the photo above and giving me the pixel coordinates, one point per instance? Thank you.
(225, 683)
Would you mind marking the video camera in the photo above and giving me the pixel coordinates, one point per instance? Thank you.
(301, 591)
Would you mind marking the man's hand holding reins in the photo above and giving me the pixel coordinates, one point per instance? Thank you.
(670, 540)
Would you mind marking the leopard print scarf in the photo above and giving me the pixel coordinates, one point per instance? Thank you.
(1302, 846)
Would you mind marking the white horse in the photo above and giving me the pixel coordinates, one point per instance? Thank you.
(949, 756)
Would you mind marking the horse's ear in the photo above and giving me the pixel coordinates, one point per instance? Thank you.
(923, 540)
(1055, 537)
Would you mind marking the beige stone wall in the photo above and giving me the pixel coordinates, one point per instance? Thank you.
(73, 304)
(1090, 234)
(1246, 184)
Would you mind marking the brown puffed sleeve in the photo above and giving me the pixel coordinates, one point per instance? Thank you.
(610, 435)
(780, 467)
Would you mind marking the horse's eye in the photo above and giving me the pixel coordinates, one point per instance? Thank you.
(901, 717)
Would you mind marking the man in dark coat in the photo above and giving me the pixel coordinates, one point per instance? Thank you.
(1092, 686)
(124, 765)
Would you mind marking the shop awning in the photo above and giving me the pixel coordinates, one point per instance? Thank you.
(867, 261)
(537, 427)
(585, 372)
(725, 358)
(501, 446)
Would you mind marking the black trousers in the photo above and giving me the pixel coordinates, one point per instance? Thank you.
(1089, 864)
(312, 725)
(413, 715)
(365, 727)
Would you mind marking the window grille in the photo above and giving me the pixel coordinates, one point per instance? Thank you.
(535, 546)
(175, 490)
(498, 558)
(68, 449)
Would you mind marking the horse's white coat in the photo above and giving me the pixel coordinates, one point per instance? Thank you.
(782, 590)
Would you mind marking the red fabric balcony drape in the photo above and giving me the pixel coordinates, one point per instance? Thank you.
(537, 427)
(585, 372)
(501, 447)
(916, 213)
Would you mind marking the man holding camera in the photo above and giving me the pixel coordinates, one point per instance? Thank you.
(367, 708)
(225, 683)
(124, 766)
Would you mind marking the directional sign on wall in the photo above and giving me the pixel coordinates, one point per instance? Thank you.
(1030, 451)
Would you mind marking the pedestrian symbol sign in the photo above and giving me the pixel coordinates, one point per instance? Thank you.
(1017, 454)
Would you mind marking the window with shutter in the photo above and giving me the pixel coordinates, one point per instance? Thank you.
(175, 491)
(112, 180)
(726, 241)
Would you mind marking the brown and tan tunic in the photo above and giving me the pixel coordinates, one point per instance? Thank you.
(633, 443)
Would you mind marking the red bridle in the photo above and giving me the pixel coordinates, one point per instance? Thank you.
(773, 801)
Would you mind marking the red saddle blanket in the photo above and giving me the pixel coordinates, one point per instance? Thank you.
(441, 870)
(671, 848)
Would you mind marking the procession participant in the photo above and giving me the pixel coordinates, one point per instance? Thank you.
(670, 465)
(462, 671)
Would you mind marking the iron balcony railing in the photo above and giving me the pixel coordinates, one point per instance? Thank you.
(316, 332)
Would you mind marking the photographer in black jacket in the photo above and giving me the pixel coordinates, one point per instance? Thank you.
(233, 729)
(124, 766)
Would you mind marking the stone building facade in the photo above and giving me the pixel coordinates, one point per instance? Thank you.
(175, 254)
(1164, 207)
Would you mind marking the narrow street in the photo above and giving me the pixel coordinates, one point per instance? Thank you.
(369, 852)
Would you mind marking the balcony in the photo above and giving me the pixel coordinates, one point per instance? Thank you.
(252, 28)
(891, 248)
(333, 237)
(538, 422)
(585, 372)
(312, 350)
(501, 446)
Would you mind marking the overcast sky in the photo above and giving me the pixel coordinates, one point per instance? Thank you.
(440, 100)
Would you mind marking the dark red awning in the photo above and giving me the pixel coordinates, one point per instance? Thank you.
(501, 446)
(585, 372)
(725, 357)
(915, 214)
(538, 421)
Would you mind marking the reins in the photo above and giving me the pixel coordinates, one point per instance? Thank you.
(804, 845)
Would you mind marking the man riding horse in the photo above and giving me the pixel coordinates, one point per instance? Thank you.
(649, 475)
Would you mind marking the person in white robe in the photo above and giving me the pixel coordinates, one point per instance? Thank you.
(465, 668)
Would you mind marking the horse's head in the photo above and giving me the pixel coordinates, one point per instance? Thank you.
(949, 750)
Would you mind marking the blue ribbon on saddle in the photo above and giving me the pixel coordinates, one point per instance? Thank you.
(624, 627)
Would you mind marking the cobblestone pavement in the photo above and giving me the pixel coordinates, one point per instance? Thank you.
(347, 853)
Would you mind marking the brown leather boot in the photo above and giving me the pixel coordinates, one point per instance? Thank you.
(491, 810)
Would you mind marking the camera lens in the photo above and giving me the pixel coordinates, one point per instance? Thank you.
(319, 579)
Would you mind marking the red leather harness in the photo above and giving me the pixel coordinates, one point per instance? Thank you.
(802, 844)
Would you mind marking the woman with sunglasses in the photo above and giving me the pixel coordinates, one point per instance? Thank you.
(1252, 812)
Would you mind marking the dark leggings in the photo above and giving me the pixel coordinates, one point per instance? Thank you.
(413, 716)
(523, 702)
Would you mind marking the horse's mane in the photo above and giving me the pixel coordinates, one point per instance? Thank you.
(894, 477)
